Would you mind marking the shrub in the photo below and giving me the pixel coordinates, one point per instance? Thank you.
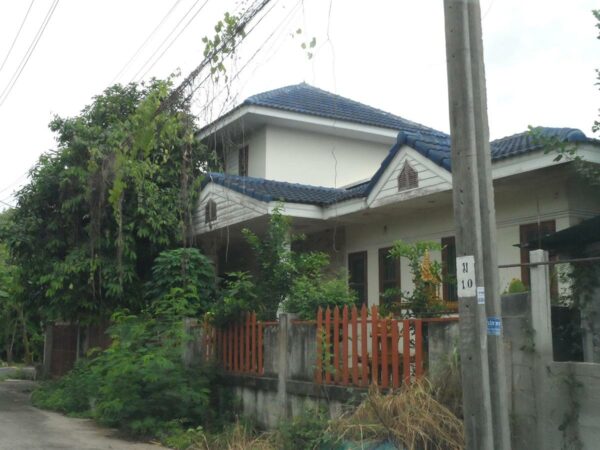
(516, 286)
(185, 269)
(426, 276)
(307, 431)
(312, 289)
(238, 296)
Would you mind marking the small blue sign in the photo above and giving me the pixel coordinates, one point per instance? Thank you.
(494, 326)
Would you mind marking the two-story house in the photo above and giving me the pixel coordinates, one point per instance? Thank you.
(354, 179)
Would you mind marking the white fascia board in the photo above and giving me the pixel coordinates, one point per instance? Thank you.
(297, 210)
(539, 159)
(343, 208)
(293, 119)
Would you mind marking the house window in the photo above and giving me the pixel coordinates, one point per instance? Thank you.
(210, 211)
(243, 161)
(449, 290)
(389, 274)
(532, 233)
(357, 271)
(408, 178)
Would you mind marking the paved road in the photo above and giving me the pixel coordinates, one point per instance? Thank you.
(23, 427)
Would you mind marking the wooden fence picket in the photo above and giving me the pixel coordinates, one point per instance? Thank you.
(319, 339)
(354, 321)
(343, 336)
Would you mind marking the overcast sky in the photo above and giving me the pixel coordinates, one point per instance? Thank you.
(540, 58)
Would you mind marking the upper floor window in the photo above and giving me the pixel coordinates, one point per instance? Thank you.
(243, 161)
(210, 211)
(408, 178)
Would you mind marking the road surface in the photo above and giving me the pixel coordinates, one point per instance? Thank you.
(23, 427)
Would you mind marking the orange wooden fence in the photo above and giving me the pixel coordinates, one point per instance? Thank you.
(237, 347)
(355, 348)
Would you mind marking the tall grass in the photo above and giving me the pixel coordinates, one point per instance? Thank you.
(410, 418)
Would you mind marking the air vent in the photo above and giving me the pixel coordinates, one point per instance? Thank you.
(408, 178)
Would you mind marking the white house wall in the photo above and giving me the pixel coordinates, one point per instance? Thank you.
(257, 151)
(514, 207)
(232, 208)
(320, 159)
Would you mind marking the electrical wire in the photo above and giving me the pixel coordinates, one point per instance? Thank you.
(173, 41)
(17, 74)
(143, 45)
(17, 36)
(246, 18)
(136, 76)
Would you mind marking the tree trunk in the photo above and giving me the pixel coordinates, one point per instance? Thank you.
(9, 348)
(27, 359)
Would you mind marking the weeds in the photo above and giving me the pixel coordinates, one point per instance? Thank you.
(410, 417)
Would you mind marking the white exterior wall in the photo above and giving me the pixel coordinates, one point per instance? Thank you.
(257, 153)
(513, 208)
(320, 159)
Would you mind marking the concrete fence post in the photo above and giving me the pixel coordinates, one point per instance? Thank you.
(541, 322)
(283, 368)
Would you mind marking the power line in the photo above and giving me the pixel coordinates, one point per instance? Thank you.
(286, 20)
(15, 182)
(7, 204)
(246, 18)
(173, 41)
(152, 33)
(169, 36)
(9, 87)
(17, 36)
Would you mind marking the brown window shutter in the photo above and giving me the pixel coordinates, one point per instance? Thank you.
(408, 178)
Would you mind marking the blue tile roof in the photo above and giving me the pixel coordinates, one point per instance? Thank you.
(306, 99)
(270, 190)
(434, 145)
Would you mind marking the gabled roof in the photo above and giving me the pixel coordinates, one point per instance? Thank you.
(436, 145)
(306, 99)
(271, 191)
(431, 144)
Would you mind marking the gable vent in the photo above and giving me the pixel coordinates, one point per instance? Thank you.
(210, 211)
(408, 178)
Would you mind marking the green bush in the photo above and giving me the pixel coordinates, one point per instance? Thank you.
(237, 296)
(312, 289)
(138, 384)
(186, 270)
(307, 431)
(516, 286)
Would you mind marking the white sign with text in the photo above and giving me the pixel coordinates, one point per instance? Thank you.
(465, 276)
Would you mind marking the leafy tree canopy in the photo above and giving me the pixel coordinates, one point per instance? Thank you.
(117, 191)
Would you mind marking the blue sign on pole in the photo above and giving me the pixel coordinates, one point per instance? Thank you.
(494, 326)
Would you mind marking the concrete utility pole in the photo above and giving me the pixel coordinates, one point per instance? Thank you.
(485, 397)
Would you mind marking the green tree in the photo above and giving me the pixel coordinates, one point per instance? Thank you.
(117, 191)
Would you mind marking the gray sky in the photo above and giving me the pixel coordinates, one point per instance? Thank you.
(540, 59)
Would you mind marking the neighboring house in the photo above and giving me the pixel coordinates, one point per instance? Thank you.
(355, 179)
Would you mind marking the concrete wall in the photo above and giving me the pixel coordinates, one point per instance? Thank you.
(554, 405)
(257, 153)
